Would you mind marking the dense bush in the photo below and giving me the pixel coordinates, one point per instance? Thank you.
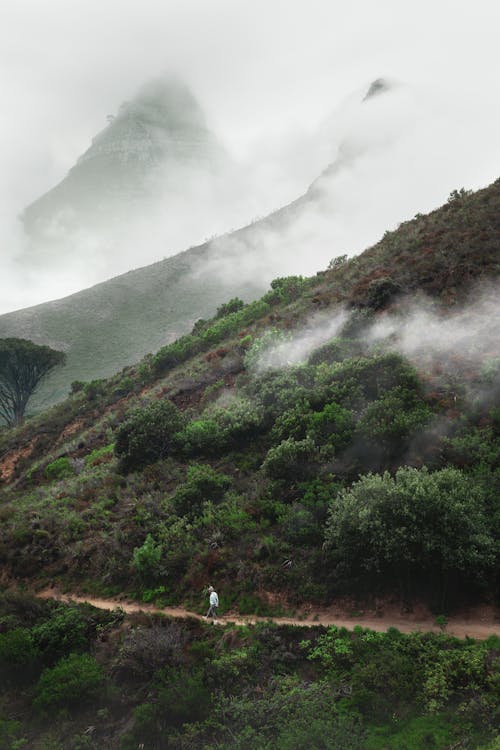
(388, 423)
(285, 289)
(292, 423)
(234, 305)
(381, 292)
(147, 435)
(278, 390)
(64, 631)
(416, 528)
(291, 460)
(335, 351)
(146, 560)
(202, 484)
(222, 429)
(18, 653)
(333, 426)
(73, 680)
(60, 468)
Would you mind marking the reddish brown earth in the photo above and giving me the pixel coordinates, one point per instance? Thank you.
(479, 623)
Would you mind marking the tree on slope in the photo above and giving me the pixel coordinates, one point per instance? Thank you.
(23, 365)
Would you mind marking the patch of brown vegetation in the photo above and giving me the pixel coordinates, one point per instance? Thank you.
(9, 462)
(70, 430)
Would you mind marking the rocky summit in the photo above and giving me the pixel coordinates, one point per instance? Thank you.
(161, 130)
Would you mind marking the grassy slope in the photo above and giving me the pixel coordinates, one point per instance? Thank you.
(69, 516)
(113, 324)
(444, 254)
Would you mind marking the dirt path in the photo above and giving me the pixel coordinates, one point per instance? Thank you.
(480, 625)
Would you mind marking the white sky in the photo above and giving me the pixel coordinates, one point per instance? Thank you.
(267, 72)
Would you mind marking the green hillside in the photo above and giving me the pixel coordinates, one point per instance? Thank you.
(335, 441)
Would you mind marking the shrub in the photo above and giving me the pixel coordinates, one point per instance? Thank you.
(380, 292)
(291, 460)
(64, 631)
(70, 682)
(202, 484)
(279, 390)
(147, 435)
(18, 652)
(146, 559)
(335, 351)
(232, 306)
(285, 289)
(182, 697)
(333, 426)
(292, 423)
(390, 421)
(221, 429)
(145, 650)
(259, 355)
(58, 469)
(412, 529)
(94, 389)
(174, 354)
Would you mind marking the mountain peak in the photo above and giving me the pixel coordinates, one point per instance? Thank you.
(377, 87)
(162, 126)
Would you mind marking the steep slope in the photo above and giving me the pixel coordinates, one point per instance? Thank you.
(327, 456)
(115, 323)
(338, 438)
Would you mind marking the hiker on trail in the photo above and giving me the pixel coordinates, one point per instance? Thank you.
(214, 603)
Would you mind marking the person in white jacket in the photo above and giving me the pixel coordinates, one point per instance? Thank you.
(214, 603)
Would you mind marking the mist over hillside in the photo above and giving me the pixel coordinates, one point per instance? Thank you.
(115, 323)
(158, 179)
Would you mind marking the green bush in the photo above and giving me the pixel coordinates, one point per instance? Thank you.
(292, 423)
(202, 484)
(414, 528)
(147, 435)
(72, 681)
(19, 654)
(58, 469)
(146, 560)
(183, 697)
(333, 426)
(262, 347)
(221, 429)
(381, 292)
(277, 391)
(285, 289)
(175, 354)
(234, 305)
(95, 389)
(63, 632)
(291, 460)
(335, 351)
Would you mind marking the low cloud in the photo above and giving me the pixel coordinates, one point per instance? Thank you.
(452, 348)
(268, 77)
(301, 344)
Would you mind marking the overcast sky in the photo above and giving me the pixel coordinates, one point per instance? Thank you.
(266, 72)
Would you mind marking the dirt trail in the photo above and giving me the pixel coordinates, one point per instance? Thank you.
(480, 626)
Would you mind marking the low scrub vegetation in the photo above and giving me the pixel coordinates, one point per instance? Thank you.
(268, 686)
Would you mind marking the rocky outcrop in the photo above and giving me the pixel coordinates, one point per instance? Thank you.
(161, 130)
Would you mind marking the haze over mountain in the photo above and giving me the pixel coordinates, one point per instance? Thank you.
(117, 322)
(128, 165)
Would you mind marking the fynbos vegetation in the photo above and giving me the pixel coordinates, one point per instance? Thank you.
(319, 446)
